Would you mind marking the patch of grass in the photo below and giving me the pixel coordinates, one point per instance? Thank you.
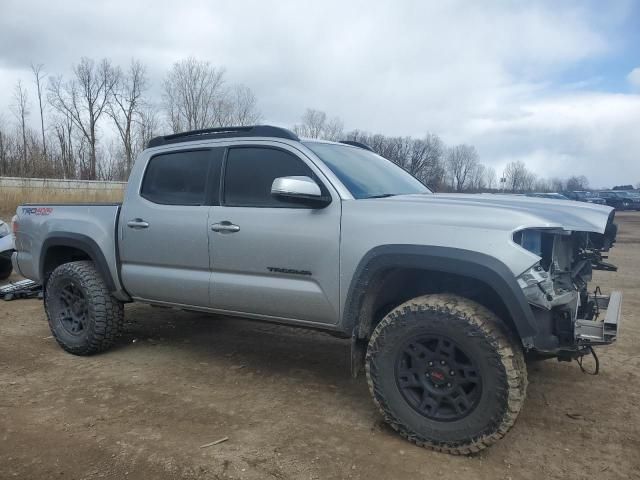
(11, 197)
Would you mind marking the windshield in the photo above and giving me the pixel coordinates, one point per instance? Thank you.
(365, 174)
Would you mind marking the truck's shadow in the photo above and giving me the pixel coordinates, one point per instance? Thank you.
(296, 355)
(242, 343)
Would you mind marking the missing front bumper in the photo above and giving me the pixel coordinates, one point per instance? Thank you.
(605, 331)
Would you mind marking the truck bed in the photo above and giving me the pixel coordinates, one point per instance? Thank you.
(41, 226)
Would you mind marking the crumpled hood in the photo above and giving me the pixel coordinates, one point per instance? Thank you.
(515, 210)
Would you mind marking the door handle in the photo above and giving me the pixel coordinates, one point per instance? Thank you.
(225, 227)
(137, 223)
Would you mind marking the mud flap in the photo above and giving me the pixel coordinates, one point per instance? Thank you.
(358, 352)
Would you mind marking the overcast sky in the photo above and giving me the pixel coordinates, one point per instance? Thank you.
(556, 84)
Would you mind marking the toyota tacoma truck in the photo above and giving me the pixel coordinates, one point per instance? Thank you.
(441, 295)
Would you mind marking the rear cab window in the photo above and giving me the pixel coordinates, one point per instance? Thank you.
(189, 177)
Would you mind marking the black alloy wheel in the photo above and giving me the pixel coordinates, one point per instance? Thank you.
(437, 378)
(70, 306)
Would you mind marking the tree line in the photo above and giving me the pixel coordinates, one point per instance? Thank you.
(454, 168)
(75, 113)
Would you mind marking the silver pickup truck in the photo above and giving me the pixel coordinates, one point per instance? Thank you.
(441, 295)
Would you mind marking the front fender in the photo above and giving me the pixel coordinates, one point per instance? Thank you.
(466, 263)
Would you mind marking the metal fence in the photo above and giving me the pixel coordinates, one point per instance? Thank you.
(18, 183)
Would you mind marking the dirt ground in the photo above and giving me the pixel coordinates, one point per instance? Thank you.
(285, 400)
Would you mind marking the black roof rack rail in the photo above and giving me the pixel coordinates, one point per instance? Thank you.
(357, 144)
(224, 132)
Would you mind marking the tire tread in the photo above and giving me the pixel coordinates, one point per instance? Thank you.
(506, 346)
(106, 312)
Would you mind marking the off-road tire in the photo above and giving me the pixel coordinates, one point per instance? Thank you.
(495, 350)
(104, 315)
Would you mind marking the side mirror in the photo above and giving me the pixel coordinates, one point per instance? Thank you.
(299, 189)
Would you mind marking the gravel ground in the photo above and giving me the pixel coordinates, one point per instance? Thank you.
(284, 399)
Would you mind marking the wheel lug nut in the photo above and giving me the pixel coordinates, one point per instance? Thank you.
(442, 362)
(448, 384)
(431, 364)
(452, 373)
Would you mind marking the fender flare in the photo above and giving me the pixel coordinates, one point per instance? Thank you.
(80, 242)
(466, 263)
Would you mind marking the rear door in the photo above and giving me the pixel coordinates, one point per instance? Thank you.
(164, 245)
(276, 258)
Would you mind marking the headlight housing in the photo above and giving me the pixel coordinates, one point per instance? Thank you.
(537, 286)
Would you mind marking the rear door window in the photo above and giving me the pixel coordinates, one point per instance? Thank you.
(183, 178)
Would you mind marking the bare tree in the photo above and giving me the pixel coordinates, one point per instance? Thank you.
(39, 77)
(516, 176)
(429, 152)
(83, 99)
(313, 124)
(316, 124)
(21, 111)
(461, 162)
(4, 151)
(556, 185)
(477, 179)
(529, 181)
(577, 183)
(334, 129)
(542, 185)
(147, 126)
(491, 179)
(63, 127)
(193, 95)
(125, 104)
(243, 107)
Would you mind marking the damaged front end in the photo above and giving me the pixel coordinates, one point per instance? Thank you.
(571, 318)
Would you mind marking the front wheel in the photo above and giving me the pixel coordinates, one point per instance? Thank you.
(83, 316)
(446, 373)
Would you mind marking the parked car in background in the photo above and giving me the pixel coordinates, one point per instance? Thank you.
(552, 196)
(585, 196)
(634, 193)
(621, 200)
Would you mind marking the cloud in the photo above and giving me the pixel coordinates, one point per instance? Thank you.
(634, 77)
(586, 133)
(487, 74)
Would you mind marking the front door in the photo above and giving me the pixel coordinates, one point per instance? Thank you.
(164, 245)
(269, 257)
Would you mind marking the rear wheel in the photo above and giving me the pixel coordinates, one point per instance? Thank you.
(83, 316)
(446, 373)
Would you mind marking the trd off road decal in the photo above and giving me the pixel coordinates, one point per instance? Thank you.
(40, 211)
